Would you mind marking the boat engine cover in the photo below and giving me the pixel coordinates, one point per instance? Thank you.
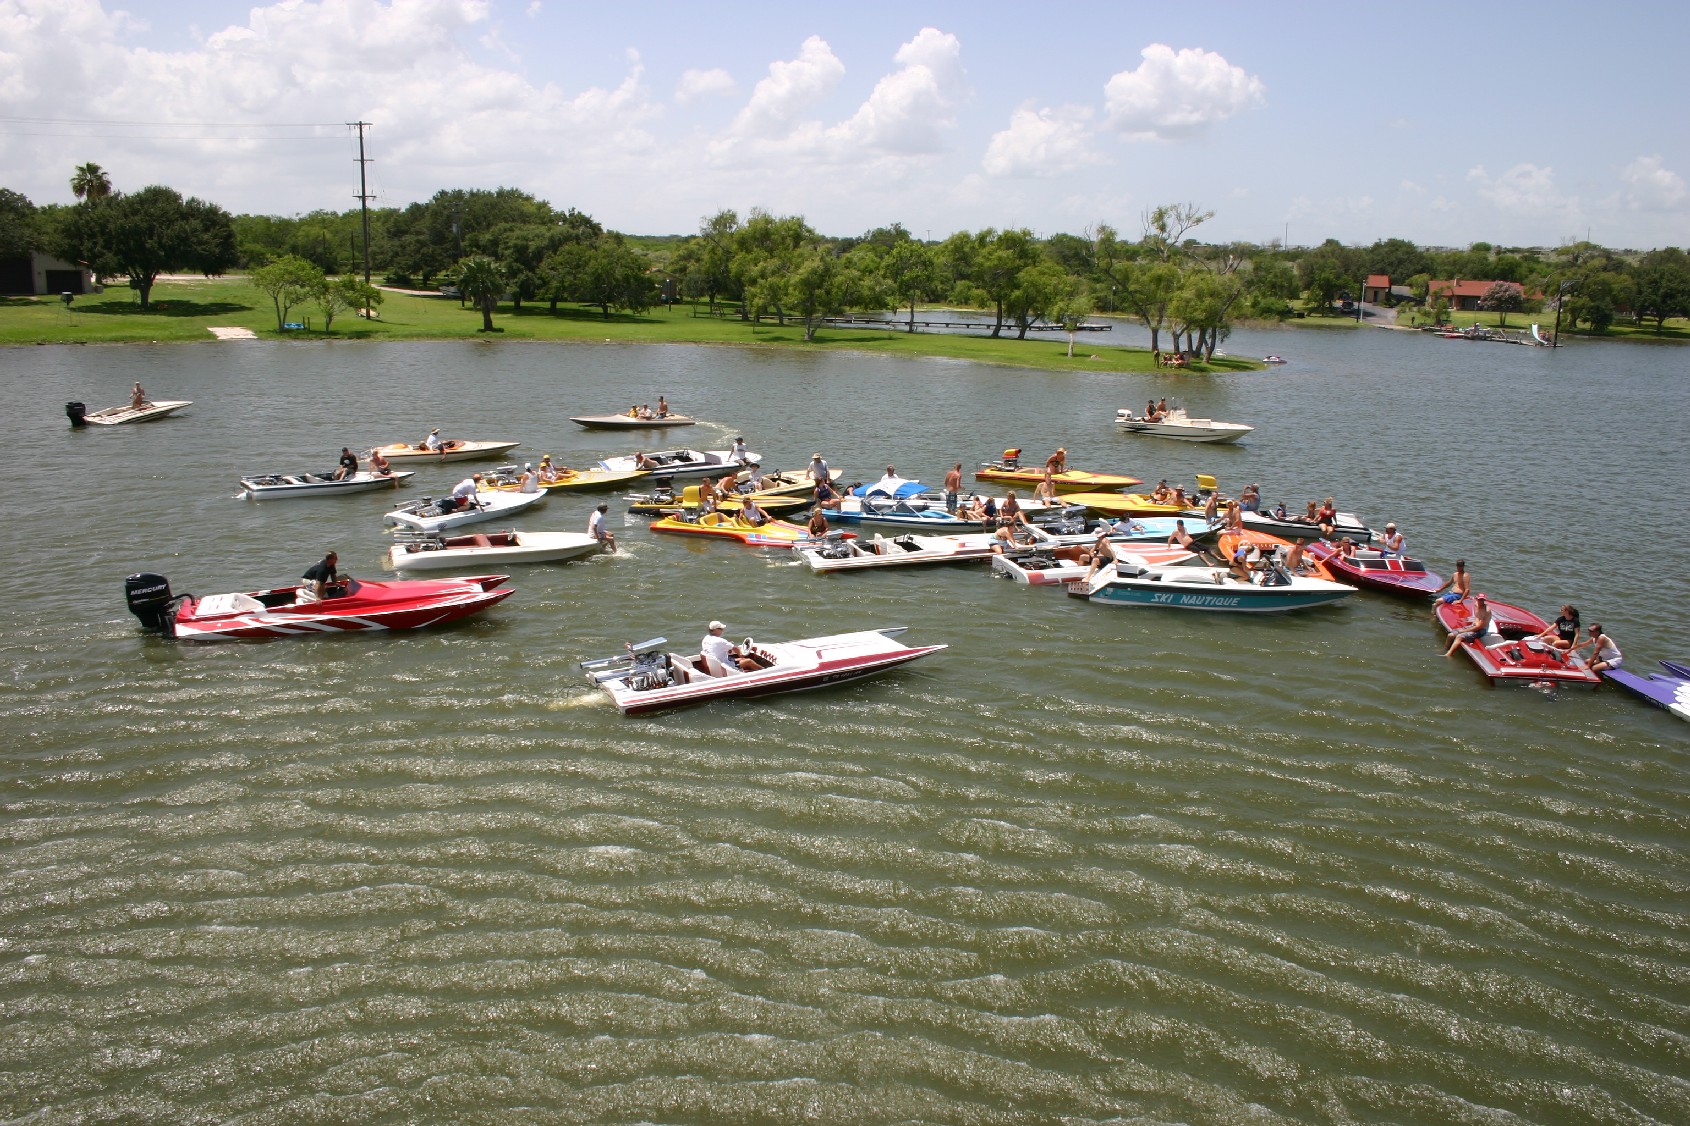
(150, 600)
(77, 413)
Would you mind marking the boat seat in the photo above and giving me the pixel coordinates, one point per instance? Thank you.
(222, 605)
(715, 667)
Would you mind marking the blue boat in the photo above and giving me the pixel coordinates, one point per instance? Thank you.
(1271, 590)
(1670, 689)
(910, 504)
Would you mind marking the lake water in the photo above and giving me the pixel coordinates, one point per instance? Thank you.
(1087, 865)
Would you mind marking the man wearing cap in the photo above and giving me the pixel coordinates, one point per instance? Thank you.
(1483, 628)
(720, 653)
(529, 482)
(754, 479)
(818, 470)
(1392, 542)
(548, 472)
(432, 442)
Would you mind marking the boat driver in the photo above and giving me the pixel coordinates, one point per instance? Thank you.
(432, 442)
(317, 578)
(718, 649)
(348, 465)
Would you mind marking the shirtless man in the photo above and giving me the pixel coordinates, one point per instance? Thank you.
(1458, 587)
(1058, 461)
(953, 486)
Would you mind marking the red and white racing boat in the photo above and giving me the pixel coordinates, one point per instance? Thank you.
(1510, 651)
(649, 678)
(354, 606)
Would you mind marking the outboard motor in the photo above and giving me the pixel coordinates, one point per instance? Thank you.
(77, 413)
(150, 601)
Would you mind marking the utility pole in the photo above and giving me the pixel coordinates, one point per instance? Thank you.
(363, 192)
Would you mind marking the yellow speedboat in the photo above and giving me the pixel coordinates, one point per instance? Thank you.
(1123, 504)
(1011, 471)
(666, 504)
(569, 480)
(770, 533)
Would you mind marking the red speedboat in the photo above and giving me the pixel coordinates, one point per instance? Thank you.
(1509, 651)
(355, 606)
(1393, 574)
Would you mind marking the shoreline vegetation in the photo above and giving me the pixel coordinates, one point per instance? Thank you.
(185, 310)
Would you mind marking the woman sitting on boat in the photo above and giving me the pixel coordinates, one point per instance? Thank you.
(1563, 632)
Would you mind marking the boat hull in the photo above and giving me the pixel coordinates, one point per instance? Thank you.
(500, 550)
(1193, 431)
(1346, 525)
(678, 463)
(292, 486)
(151, 412)
(624, 422)
(1407, 578)
(799, 666)
(1669, 689)
(1510, 654)
(369, 607)
(494, 506)
(1218, 599)
(1068, 481)
(455, 450)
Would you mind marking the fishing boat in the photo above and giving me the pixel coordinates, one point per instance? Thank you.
(677, 463)
(1179, 425)
(426, 552)
(1510, 649)
(351, 606)
(1271, 589)
(427, 514)
(1058, 566)
(626, 421)
(148, 411)
(734, 526)
(454, 449)
(837, 552)
(1010, 471)
(1377, 570)
(1669, 689)
(648, 677)
(271, 486)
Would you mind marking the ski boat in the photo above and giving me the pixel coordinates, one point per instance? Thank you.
(456, 449)
(148, 411)
(1061, 565)
(1181, 426)
(426, 515)
(1669, 689)
(912, 505)
(1011, 471)
(786, 482)
(1264, 546)
(272, 485)
(352, 606)
(626, 421)
(496, 549)
(731, 525)
(508, 479)
(836, 552)
(1376, 570)
(664, 502)
(676, 463)
(650, 678)
(1271, 589)
(1509, 650)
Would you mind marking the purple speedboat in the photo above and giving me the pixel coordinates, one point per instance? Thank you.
(1670, 689)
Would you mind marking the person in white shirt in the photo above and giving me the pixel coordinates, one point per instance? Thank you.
(739, 452)
(464, 493)
(596, 528)
(530, 481)
(818, 470)
(755, 478)
(432, 442)
(719, 650)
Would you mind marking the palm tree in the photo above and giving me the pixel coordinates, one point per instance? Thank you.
(482, 280)
(90, 182)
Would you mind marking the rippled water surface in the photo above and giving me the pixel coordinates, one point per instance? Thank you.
(1087, 865)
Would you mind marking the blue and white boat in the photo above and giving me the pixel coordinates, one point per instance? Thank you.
(910, 504)
(1670, 689)
(1271, 590)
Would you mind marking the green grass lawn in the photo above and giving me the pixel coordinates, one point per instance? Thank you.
(186, 310)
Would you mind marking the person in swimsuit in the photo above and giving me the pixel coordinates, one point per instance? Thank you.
(1604, 654)
(1458, 587)
(379, 465)
(1482, 624)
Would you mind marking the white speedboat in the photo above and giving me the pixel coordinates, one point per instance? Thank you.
(1051, 566)
(678, 463)
(453, 449)
(148, 411)
(269, 486)
(625, 421)
(426, 514)
(1181, 426)
(1302, 528)
(443, 553)
(836, 553)
(1270, 590)
(648, 677)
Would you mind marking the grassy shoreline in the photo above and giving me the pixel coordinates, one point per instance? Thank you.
(185, 310)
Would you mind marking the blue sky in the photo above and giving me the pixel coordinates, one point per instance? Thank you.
(1342, 121)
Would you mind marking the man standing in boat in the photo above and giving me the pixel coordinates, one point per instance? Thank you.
(953, 487)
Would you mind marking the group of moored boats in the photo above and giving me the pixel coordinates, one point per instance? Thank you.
(1083, 532)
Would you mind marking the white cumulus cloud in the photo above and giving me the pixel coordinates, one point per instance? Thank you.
(1649, 186)
(910, 109)
(1175, 94)
(1523, 188)
(1043, 142)
(793, 86)
(696, 84)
